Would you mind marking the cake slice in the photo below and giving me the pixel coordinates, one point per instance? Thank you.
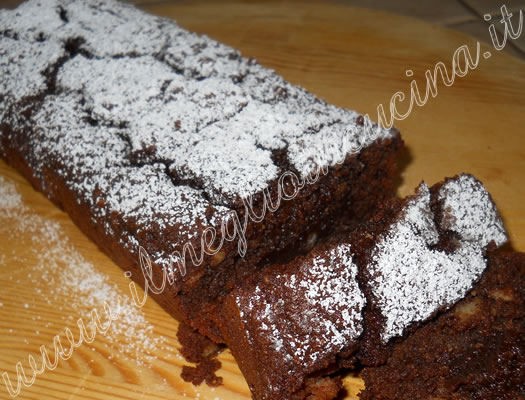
(420, 255)
(292, 325)
(288, 325)
(167, 147)
(474, 351)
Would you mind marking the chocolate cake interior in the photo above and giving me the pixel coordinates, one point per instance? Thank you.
(473, 351)
(288, 325)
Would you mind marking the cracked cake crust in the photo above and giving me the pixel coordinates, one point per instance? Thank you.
(150, 135)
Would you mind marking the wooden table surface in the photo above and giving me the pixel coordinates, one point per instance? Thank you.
(352, 57)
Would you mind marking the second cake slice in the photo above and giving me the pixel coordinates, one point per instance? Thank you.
(292, 326)
(421, 255)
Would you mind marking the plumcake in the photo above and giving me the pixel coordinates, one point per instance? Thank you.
(168, 147)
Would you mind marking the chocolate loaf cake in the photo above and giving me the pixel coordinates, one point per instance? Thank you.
(288, 325)
(420, 255)
(292, 325)
(474, 351)
(152, 137)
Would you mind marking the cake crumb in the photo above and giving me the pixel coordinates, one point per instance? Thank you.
(200, 350)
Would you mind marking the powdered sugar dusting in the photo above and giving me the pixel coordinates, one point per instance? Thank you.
(10, 199)
(471, 212)
(157, 131)
(308, 313)
(21, 67)
(411, 280)
(334, 292)
(179, 98)
(94, 159)
(57, 271)
(131, 30)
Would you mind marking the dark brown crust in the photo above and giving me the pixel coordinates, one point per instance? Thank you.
(476, 350)
(347, 193)
(29, 142)
(286, 373)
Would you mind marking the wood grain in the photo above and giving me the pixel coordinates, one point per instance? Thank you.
(352, 57)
